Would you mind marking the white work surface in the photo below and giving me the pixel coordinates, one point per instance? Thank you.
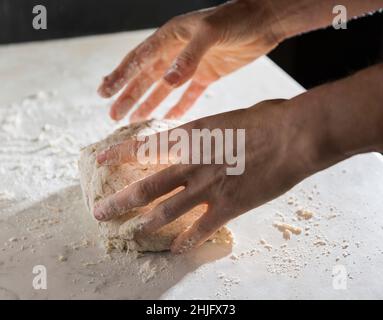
(49, 109)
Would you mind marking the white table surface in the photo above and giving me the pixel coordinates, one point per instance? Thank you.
(49, 109)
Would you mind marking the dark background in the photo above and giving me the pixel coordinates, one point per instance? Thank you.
(311, 59)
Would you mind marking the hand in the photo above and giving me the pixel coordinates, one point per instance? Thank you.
(286, 141)
(201, 46)
(277, 156)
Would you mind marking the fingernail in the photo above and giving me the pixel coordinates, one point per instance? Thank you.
(104, 91)
(101, 158)
(173, 76)
(98, 214)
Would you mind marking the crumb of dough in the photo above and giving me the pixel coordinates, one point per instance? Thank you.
(268, 246)
(62, 258)
(280, 215)
(89, 264)
(148, 270)
(287, 229)
(222, 236)
(320, 243)
(304, 214)
(286, 234)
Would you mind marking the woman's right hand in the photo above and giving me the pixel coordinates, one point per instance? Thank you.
(201, 46)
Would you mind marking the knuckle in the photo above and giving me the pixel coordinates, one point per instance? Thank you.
(173, 21)
(208, 24)
(147, 48)
(114, 153)
(166, 212)
(141, 193)
(185, 61)
(113, 206)
(211, 26)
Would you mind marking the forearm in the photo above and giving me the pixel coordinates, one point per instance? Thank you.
(299, 16)
(340, 119)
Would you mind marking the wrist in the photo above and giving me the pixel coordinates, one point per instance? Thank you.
(335, 121)
(314, 138)
(300, 16)
(307, 138)
(260, 17)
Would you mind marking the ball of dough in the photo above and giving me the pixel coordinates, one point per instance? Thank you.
(98, 182)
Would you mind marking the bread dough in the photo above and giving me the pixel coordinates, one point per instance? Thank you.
(98, 182)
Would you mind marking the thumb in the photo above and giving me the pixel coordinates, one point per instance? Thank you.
(185, 65)
(120, 153)
(136, 149)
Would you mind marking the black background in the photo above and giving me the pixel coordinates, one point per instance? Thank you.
(311, 59)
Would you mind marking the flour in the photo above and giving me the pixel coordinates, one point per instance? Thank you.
(6, 196)
(147, 271)
(37, 146)
(41, 152)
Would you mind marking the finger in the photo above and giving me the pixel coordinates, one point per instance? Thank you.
(137, 60)
(139, 193)
(130, 96)
(169, 210)
(188, 60)
(129, 150)
(201, 230)
(135, 90)
(189, 97)
(159, 93)
(120, 153)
